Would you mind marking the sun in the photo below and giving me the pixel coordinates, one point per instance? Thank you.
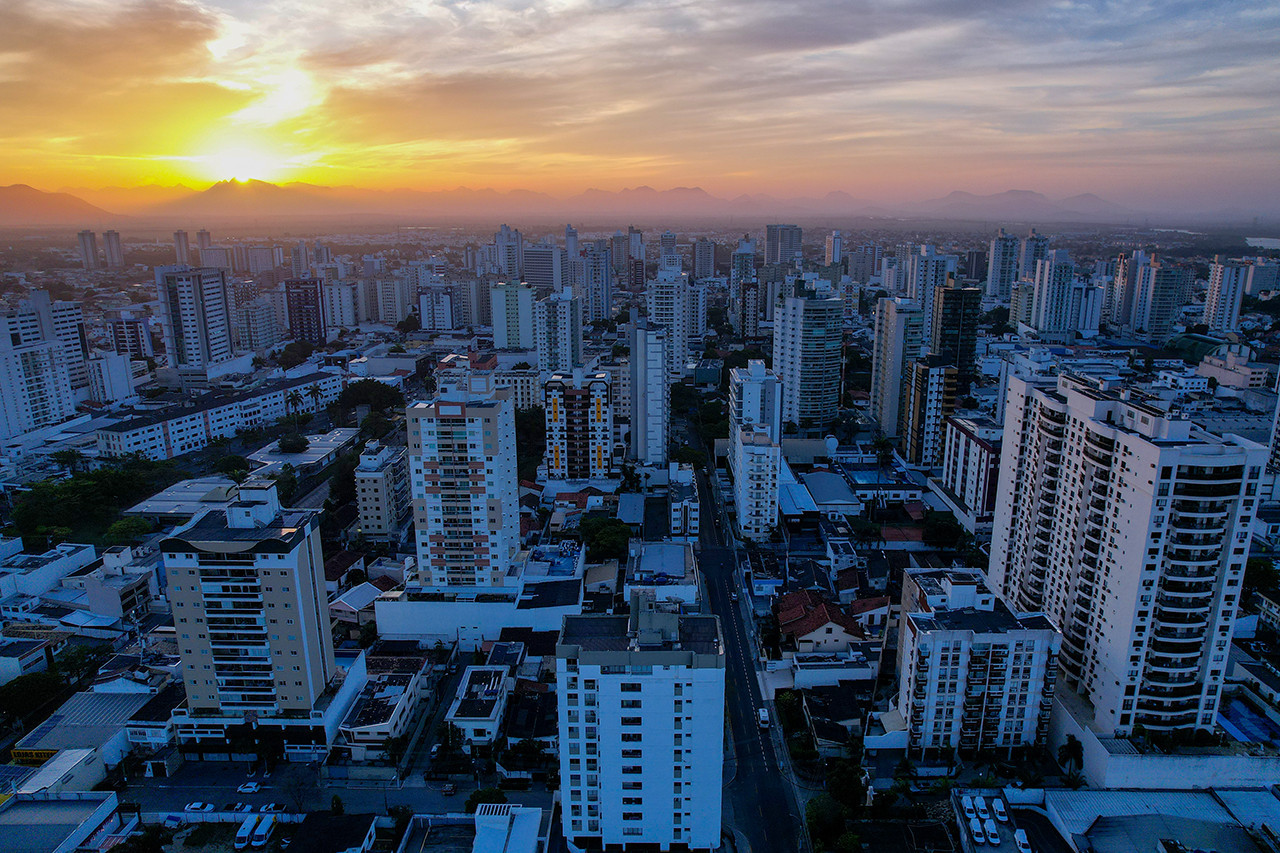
(242, 163)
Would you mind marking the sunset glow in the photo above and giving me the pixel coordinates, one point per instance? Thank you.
(1144, 104)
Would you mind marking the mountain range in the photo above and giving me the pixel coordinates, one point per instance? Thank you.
(21, 205)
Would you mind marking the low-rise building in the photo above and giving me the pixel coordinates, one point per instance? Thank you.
(478, 708)
(668, 570)
(682, 498)
(401, 680)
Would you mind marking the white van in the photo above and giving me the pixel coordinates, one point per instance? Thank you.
(1020, 839)
(967, 803)
(993, 832)
(244, 837)
(262, 834)
(975, 830)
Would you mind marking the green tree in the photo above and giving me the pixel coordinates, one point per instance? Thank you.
(70, 459)
(375, 425)
(26, 694)
(368, 634)
(234, 466)
(1260, 575)
(127, 530)
(335, 805)
(342, 483)
(825, 818)
(294, 354)
(482, 796)
(409, 324)
(844, 783)
(1071, 753)
(293, 443)
(286, 483)
(605, 538)
(80, 662)
(372, 393)
(531, 440)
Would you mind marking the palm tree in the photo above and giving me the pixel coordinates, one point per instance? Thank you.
(1071, 753)
(1073, 780)
(315, 394)
(294, 401)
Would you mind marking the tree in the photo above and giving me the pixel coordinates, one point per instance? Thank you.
(150, 839)
(368, 634)
(825, 819)
(844, 783)
(482, 796)
(605, 538)
(1071, 753)
(375, 425)
(293, 400)
(905, 771)
(294, 353)
(26, 694)
(531, 440)
(409, 324)
(1073, 779)
(297, 788)
(316, 396)
(70, 459)
(127, 530)
(286, 483)
(234, 466)
(335, 805)
(342, 482)
(79, 662)
(293, 443)
(1260, 575)
(688, 456)
(372, 393)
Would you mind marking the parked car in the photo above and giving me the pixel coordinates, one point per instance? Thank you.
(762, 716)
(966, 802)
(998, 809)
(199, 807)
(249, 788)
(1020, 839)
(242, 808)
(435, 750)
(980, 805)
(993, 832)
(975, 831)
(272, 808)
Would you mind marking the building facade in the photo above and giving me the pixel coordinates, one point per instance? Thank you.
(579, 414)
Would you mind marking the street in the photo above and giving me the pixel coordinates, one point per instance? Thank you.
(762, 806)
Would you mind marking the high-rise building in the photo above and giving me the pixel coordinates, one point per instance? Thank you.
(835, 248)
(88, 249)
(667, 304)
(436, 310)
(545, 268)
(631, 778)
(1133, 545)
(557, 324)
(667, 245)
(1161, 291)
(300, 260)
(635, 244)
(130, 333)
(899, 339)
(808, 342)
(1227, 281)
(181, 248)
(742, 264)
(304, 300)
(462, 463)
(382, 490)
(781, 244)
(579, 412)
(755, 452)
(1262, 276)
(249, 605)
(746, 310)
(704, 258)
(69, 329)
(597, 284)
(571, 241)
(974, 676)
(203, 239)
(1031, 251)
(971, 465)
(973, 266)
(864, 262)
(925, 273)
(112, 250)
(929, 398)
(955, 329)
(1064, 306)
(650, 394)
(512, 312)
(35, 386)
(620, 255)
(195, 316)
(1003, 261)
(509, 250)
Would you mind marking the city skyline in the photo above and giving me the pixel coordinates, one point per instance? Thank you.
(888, 105)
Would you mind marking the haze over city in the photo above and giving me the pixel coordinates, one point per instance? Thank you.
(1168, 109)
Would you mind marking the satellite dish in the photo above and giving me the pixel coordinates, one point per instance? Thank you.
(832, 443)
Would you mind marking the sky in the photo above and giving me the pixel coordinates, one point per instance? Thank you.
(1166, 102)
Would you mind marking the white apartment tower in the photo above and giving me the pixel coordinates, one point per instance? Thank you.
(835, 248)
(1129, 530)
(557, 323)
(899, 339)
(1002, 265)
(462, 471)
(641, 711)
(196, 315)
(546, 267)
(35, 385)
(974, 675)
(704, 258)
(88, 243)
(579, 412)
(808, 340)
(781, 243)
(249, 606)
(667, 304)
(112, 250)
(382, 490)
(1063, 305)
(755, 453)
(1226, 291)
(650, 394)
(1031, 251)
(924, 273)
(512, 306)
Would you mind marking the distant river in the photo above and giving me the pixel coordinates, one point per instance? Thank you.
(1263, 242)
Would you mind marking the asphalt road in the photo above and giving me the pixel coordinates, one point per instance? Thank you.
(763, 808)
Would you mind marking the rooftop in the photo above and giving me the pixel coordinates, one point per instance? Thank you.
(43, 823)
(643, 631)
(483, 687)
(322, 832)
(215, 399)
(661, 563)
(212, 533)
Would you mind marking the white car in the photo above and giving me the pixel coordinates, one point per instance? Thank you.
(993, 832)
(199, 807)
(980, 804)
(762, 717)
(249, 788)
(975, 830)
(271, 808)
(966, 802)
(1020, 839)
(998, 809)
(243, 808)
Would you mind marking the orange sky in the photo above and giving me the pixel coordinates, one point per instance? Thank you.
(883, 100)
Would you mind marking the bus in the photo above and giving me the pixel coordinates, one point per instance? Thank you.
(262, 834)
(245, 834)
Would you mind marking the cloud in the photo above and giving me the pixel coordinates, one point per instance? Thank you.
(908, 98)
